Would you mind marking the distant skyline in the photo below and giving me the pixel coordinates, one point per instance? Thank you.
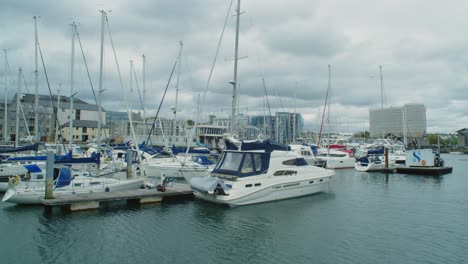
(421, 46)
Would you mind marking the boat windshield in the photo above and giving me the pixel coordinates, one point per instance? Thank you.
(243, 164)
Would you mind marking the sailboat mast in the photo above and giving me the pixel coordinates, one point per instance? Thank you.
(36, 75)
(57, 124)
(18, 102)
(381, 86)
(144, 94)
(177, 88)
(324, 108)
(328, 115)
(5, 135)
(101, 60)
(234, 84)
(294, 120)
(72, 67)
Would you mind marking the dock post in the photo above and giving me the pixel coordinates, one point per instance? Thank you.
(129, 164)
(49, 184)
(386, 157)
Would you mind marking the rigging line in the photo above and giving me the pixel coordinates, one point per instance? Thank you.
(139, 95)
(48, 86)
(86, 64)
(211, 73)
(160, 104)
(122, 87)
(25, 84)
(270, 125)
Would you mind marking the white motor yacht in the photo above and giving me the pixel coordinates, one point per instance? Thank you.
(306, 151)
(336, 159)
(260, 172)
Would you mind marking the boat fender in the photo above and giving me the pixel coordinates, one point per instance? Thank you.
(219, 190)
(161, 188)
(14, 181)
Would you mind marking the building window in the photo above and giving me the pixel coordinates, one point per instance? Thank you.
(78, 114)
(85, 130)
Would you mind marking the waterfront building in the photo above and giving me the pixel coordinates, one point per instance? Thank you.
(83, 131)
(462, 137)
(53, 113)
(407, 121)
(289, 127)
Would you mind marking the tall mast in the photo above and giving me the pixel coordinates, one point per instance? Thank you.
(177, 89)
(324, 108)
(234, 84)
(328, 115)
(57, 124)
(294, 120)
(36, 75)
(100, 81)
(72, 67)
(144, 93)
(18, 102)
(5, 135)
(381, 86)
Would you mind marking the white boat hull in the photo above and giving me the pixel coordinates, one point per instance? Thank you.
(177, 171)
(35, 195)
(276, 190)
(341, 163)
(369, 166)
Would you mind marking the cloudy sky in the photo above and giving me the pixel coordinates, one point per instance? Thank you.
(421, 45)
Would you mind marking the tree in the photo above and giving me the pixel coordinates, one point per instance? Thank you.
(362, 134)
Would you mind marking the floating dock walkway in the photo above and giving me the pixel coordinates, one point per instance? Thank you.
(433, 171)
(86, 201)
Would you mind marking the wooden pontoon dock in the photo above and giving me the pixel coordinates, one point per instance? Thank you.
(85, 201)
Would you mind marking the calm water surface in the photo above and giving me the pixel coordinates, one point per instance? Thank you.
(364, 218)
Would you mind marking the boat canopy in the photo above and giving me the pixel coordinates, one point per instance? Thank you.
(176, 150)
(20, 149)
(60, 159)
(379, 150)
(202, 160)
(243, 164)
(32, 168)
(208, 184)
(266, 145)
(64, 177)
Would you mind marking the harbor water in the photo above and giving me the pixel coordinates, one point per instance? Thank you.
(363, 218)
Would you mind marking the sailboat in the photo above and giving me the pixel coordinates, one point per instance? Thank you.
(258, 171)
(332, 158)
(183, 166)
(31, 192)
(30, 189)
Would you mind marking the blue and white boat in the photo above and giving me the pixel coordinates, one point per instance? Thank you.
(30, 189)
(259, 172)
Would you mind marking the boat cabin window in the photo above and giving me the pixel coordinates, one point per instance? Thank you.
(231, 161)
(284, 172)
(247, 166)
(242, 164)
(295, 162)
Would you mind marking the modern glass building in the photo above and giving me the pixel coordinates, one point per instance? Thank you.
(408, 121)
